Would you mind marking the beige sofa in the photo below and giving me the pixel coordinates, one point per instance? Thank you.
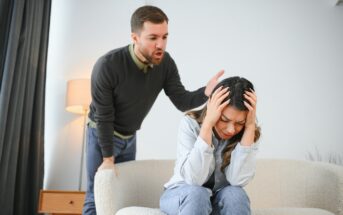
(280, 187)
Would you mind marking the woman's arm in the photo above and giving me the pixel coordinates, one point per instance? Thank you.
(194, 155)
(242, 165)
(195, 150)
(250, 123)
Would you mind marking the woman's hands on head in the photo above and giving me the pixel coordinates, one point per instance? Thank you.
(215, 106)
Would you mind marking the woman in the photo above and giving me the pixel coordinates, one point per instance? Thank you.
(216, 154)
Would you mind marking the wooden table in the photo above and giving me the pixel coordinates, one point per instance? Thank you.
(61, 202)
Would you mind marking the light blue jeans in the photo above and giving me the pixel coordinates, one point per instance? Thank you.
(191, 199)
(123, 150)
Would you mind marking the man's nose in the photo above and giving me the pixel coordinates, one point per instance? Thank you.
(160, 43)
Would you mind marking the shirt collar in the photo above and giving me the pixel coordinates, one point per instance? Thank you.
(142, 66)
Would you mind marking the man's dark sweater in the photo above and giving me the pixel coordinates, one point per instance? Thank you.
(122, 94)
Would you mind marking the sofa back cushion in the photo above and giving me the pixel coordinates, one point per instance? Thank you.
(296, 183)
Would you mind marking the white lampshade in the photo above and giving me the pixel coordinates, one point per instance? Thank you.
(78, 96)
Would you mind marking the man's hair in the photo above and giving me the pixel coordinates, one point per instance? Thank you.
(147, 13)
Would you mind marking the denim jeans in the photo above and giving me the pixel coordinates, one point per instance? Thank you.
(192, 199)
(123, 150)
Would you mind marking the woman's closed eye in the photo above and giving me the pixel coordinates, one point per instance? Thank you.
(226, 120)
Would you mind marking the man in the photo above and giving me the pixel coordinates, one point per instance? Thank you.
(125, 83)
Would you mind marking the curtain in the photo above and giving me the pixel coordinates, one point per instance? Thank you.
(24, 32)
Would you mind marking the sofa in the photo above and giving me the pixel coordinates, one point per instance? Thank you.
(280, 187)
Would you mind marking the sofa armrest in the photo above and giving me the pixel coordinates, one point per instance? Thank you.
(138, 183)
(104, 195)
(337, 178)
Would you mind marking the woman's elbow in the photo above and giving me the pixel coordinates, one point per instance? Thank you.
(240, 181)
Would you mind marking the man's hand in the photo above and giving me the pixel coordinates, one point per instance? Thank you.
(108, 163)
(212, 83)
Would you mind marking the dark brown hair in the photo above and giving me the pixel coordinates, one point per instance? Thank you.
(147, 13)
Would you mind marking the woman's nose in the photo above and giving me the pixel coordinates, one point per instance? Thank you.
(230, 129)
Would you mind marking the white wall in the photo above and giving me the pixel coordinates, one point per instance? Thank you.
(291, 50)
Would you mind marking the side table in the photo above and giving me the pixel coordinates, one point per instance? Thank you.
(61, 202)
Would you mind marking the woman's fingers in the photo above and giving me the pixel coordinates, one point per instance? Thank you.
(222, 98)
(220, 95)
(220, 91)
(216, 103)
(251, 97)
(223, 105)
(250, 108)
(216, 91)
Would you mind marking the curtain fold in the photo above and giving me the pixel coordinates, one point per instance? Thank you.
(24, 42)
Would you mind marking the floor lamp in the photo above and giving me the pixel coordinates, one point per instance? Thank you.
(77, 101)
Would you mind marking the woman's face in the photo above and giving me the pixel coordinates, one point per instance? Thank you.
(230, 123)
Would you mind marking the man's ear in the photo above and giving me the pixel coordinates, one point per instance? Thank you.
(134, 37)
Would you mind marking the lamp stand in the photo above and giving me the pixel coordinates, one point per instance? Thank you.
(83, 148)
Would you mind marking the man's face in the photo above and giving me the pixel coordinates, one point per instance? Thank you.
(151, 42)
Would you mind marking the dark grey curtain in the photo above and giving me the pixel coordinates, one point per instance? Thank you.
(24, 31)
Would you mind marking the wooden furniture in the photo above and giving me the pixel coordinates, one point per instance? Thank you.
(61, 202)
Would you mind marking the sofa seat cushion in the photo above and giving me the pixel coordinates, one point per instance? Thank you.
(267, 211)
(291, 211)
(139, 211)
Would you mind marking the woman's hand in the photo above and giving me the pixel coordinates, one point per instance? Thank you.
(214, 110)
(215, 106)
(251, 117)
(250, 125)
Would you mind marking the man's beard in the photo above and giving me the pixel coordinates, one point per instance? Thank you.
(151, 60)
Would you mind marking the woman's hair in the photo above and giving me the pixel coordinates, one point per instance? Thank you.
(237, 87)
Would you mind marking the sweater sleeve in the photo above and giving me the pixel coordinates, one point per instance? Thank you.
(194, 155)
(182, 99)
(242, 165)
(102, 84)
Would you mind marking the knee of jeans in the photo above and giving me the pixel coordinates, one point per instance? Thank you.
(197, 193)
(235, 195)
